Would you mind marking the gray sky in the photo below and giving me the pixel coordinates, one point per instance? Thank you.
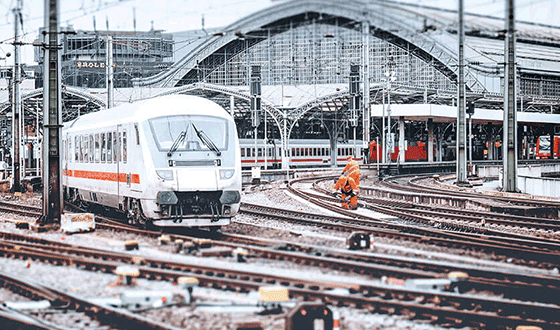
(181, 15)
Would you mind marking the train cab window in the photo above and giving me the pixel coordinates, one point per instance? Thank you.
(109, 147)
(97, 148)
(103, 148)
(124, 147)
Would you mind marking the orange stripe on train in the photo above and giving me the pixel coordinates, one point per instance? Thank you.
(103, 176)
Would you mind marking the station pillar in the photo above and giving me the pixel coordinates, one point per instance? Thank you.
(550, 130)
(401, 140)
(490, 141)
(430, 140)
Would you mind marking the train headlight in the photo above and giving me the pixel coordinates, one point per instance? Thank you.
(167, 198)
(165, 174)
(230, 197)
(226, 174)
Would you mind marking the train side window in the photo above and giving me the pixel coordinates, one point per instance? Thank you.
(119, 148)
(81, 149)
(110, 147)
(124, 146)
(103, 148)
(76, 146)
(97, 149)
(69, 156)
(242, 152)
(260, 151)
(137, 134)
(91, 158)
(86, 148)
(115, 147)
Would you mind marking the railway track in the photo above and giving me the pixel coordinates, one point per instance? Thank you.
(463, 310)
(108, 317)
(391, 299)
(512, 285)
(521, 250)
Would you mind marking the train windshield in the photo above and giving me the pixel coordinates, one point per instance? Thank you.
(167, 132)
(544, 144)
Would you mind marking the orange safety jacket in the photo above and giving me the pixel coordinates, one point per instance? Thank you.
(351, 167)
(347, 185)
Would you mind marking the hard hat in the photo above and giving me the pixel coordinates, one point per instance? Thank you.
(349, 157)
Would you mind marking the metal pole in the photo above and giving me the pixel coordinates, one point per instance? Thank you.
(389, 149)
(366, 113)
(256, 151)
(431, 140)
(52, 119)
(384, 133)
(510, 104)
(402, 145)
(461, 134)
(38, 158)
(377, 151)
(470, 140)
(264, 140)
(109, 71)
(16, 108)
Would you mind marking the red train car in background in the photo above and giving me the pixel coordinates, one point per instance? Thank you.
(415, 151)
(544, 147)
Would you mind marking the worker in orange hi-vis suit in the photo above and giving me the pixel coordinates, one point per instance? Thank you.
(353, 168)
(349, 191)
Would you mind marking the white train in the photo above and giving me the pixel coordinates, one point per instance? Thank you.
(302, 152)
(167, 161)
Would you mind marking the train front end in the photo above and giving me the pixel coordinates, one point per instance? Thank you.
(198, 168)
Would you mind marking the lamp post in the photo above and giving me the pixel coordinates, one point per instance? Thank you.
(389, 78)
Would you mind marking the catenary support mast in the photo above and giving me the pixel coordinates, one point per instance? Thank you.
(52, 120)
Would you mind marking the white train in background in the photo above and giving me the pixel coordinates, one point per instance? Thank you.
(302, 152)
(167, 161)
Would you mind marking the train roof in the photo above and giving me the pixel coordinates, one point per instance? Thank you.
(150, 108)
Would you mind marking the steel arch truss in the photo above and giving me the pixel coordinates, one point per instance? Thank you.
(221, 95)
(74, 103)
(385, 22)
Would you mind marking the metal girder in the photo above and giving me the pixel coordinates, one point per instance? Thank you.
(275, 113)
(67, 93)
(383, 17)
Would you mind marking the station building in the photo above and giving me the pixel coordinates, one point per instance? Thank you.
(84, 56)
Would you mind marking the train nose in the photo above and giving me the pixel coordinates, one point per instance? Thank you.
(193, 179)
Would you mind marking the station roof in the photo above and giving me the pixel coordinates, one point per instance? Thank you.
(448, 114)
